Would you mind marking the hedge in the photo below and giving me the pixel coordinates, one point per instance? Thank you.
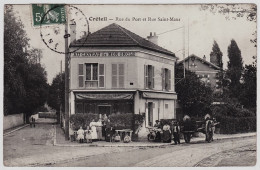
(51, 115)
(119, 121)
(231, 125)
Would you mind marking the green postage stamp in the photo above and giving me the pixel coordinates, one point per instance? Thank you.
(46, 14)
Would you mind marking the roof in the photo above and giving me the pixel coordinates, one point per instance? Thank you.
(114, 35)
(201, 59)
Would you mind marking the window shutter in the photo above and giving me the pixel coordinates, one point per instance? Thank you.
(121, 75)
(163, 78)
(145, 76)
(152, 76)
(169, 80)
(114, 75)
(101, 75)
(81, 75)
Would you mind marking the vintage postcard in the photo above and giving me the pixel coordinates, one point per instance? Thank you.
(120, 85)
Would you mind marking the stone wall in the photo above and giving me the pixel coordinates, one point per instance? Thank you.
(11, 121)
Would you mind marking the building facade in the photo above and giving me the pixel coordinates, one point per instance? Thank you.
(117, 71)
(206, 71)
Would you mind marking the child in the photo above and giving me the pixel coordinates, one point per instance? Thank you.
(127, 138)
(88, 135)
(117, 137)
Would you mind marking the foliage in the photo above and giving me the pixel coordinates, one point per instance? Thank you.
(231, 125)
(56, 96)
(125, 121)
(248, 89)
(51, 115)
(235, 68)
(81, 119)
(217, 53)
(194, 96)
(25, 82)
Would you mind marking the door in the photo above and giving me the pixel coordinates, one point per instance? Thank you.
(150, 113)
(104, 109)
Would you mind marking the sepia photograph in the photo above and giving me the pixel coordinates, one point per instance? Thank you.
(129, 85)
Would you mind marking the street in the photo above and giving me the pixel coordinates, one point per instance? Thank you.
(34, 147)
(176, 156)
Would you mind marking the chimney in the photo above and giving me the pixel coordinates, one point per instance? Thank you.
(153, 38)
(204, 57)
(72, 33)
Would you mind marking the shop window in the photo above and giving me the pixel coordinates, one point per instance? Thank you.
(148, 76)
(166, 79)
(118, 75)
(79, 107)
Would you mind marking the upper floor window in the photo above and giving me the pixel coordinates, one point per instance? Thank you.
(148, 76)
(94, 75)
(118, 75)
(166, 79)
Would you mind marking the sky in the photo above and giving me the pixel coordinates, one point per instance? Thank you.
(200, 29)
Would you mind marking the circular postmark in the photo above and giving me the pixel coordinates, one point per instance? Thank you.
(54, 29)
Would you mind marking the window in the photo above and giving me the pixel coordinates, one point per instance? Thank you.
(118, 75)
(166, 106)
(91, 75)
(95, 75)
(148, 76)
(166, 79)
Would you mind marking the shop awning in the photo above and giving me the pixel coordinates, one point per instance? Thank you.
(155, 95)
(104, 96)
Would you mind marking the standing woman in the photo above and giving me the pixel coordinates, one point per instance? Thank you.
(99, 129)
(92, 125)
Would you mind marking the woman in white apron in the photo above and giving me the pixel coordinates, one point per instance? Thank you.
(93, 129)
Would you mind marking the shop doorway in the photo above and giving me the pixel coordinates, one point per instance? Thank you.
(104, 109)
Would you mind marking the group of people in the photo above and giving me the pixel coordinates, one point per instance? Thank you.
(169, 132)
(100, 130)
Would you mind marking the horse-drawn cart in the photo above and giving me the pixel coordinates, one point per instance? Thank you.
(189, 127)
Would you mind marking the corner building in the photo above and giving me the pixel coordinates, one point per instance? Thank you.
(117, 71)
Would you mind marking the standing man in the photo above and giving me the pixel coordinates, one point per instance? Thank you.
(176, 133)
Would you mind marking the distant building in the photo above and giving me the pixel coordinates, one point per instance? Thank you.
(117, 71)
(206, 71)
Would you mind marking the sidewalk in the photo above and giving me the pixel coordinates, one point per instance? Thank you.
(59, 140)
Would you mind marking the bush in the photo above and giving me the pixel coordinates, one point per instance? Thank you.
(231, 125)
(81, 119)
(125, 121)
(119, 121)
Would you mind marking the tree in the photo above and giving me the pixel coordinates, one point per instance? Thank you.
(248, 92)
(217, 53)
(235, 68)
(25, 82)
(194, 96)
(15, 40)
(56, 97)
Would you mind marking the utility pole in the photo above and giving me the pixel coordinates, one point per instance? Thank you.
(60, 96)
(66, 82)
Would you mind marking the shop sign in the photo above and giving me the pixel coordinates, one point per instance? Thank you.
(104, 54)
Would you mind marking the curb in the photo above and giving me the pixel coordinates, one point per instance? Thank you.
(129, 144)
(5, 134)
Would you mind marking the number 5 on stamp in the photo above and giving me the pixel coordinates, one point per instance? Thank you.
(46, 14)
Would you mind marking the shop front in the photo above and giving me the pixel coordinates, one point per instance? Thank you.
(104, 103)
